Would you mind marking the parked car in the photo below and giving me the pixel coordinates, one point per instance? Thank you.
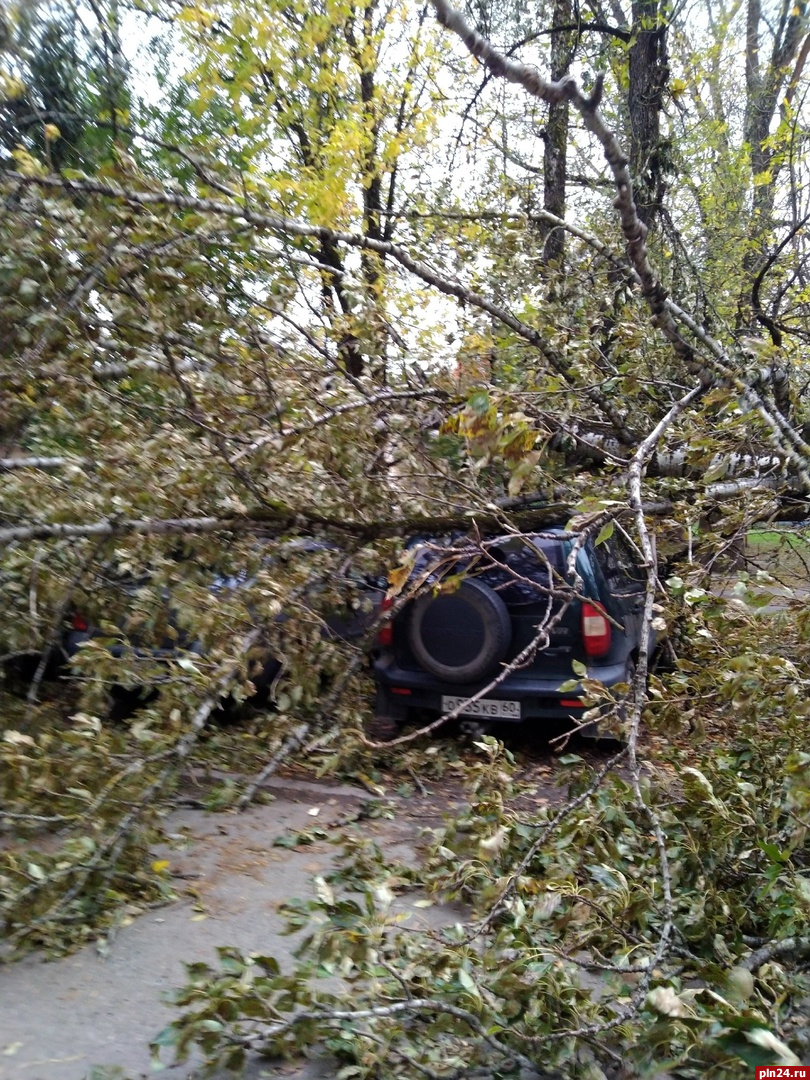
(349, 619)
(476, 611)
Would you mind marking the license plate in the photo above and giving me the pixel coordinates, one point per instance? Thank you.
(490, 707)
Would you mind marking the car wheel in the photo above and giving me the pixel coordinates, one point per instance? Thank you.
(460, 636)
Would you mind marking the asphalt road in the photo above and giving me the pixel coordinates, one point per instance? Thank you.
(59, 1019)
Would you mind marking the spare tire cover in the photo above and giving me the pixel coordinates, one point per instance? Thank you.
(460, 636)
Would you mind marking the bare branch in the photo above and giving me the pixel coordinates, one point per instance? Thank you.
(794, 948)
(10, 464)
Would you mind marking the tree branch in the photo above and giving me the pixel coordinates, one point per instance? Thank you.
(45, 463)
(795, 948)
(289, 226)
(635, 232)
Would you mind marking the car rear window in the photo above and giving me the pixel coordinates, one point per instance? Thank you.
(531, 566)
(620, 565)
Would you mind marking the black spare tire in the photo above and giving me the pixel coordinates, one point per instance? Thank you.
(462, 635)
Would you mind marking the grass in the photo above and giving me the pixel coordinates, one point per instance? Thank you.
(784, 553)
(759, 540)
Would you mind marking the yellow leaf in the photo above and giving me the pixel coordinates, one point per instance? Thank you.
(10, 86)
(397, 578)
(399, 575)
(196, 16)
(160, 865)
(27, 163)
(370, 786)
(489, 847)
(666, 1002)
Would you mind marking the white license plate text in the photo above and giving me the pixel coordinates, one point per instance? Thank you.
(489, 707)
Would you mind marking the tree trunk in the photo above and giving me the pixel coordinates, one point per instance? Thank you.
(764, 84)
(556, 138)
(648, 78)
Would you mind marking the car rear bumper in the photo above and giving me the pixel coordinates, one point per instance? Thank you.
(539, 698)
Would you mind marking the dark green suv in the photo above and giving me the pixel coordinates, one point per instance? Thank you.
(495, 629)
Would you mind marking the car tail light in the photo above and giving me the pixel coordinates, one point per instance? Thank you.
(572, 702)
(78, 622)
(595, 630)
(386, 634)
(401, 690)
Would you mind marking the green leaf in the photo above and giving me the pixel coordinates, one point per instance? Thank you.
(167, 1037)
(468, 982)
(605, 532)
(268, 964)
(479, 402)
(735, 1043)
(210, 1025)
(774, 853)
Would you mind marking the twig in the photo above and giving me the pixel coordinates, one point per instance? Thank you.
(292, 743)
(795, 948)
(665, 314)
(423, 791)
(546, 831)
(413, 1006)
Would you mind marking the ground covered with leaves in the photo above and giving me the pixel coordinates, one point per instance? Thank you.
(586, 952)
